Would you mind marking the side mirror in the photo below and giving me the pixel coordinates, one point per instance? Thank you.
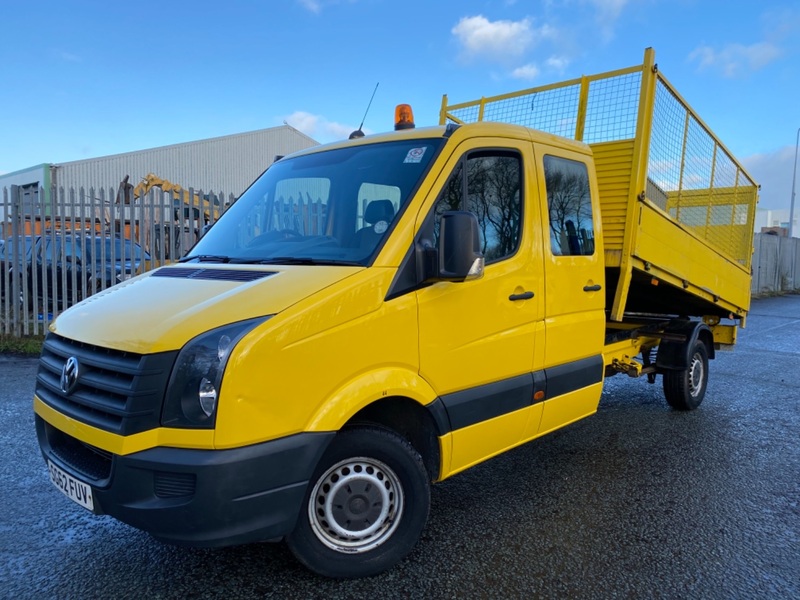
(460, 257)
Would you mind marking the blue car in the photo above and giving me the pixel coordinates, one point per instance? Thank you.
(25, 245)
(71, 267)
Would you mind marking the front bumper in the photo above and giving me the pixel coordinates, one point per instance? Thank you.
(196, 497)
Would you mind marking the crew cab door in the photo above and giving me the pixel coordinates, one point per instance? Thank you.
(477, 337)
(574, 285)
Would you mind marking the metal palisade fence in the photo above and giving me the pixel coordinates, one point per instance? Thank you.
(58, 247)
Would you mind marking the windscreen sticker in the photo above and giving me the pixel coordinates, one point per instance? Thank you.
(415, 155)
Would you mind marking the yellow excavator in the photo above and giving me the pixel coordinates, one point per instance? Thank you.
(192, 205)
(167, 237)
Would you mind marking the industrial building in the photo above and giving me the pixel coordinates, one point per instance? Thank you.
(225, 165)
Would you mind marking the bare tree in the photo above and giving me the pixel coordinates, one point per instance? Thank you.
(570, 210)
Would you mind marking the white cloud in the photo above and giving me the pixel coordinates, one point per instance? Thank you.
(312, 5)
(316, 6)
(609, 9)
(780, 23)
(773, 172)
(529, 71)
(607, 14)
(479, 37)
(320, 128)
(557, 63)
(735, 60)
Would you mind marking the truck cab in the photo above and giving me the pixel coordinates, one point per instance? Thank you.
(437, 291)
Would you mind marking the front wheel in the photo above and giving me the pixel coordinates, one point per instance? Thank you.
(686, 388)
(366, 505)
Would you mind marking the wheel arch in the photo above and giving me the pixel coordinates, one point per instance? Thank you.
(397, 399)
(416, 423)
(676, 355)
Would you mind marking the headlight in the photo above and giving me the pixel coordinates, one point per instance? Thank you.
(194, 385)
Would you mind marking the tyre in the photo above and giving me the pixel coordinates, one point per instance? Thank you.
(685, 389)
(366, 505)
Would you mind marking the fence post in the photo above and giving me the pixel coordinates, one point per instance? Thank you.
(14, 254)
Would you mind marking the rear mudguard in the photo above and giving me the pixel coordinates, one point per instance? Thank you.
(676, 355)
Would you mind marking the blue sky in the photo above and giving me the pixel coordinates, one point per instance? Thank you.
(89, 78)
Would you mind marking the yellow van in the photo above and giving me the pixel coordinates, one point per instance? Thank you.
(369, 317)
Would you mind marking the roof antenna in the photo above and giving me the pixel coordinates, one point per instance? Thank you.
(358, 133)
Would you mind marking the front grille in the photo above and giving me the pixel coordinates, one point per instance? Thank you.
(116, 391)
(90, 462)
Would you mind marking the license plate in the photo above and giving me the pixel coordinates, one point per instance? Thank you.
(72, 488)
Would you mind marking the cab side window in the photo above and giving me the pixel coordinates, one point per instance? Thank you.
(570, 207)
(489, 184)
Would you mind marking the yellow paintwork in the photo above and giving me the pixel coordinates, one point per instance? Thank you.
(122, 445)
(476, 443)
(312, 367)
(621, 356)
(153, 314)
(569, 408)
(677, 256)
(725, 335)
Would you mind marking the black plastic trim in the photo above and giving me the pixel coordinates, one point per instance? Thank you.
(485, 402)
(206, 498)
(573, 376)
(478, 404)
(438, 412)
(237, 275)
(406, 278)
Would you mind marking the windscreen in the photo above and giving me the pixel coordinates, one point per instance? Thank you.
(330, 207)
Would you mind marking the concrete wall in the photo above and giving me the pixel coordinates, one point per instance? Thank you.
(776, 264)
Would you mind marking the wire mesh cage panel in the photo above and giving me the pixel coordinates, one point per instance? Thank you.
(693, 178)
(612, 105)
(612, 108)
(553, 110)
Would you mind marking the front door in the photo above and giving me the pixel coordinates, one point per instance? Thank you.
(477, 337)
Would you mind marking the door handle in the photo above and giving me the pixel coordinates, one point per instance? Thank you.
(592, 288)
(522, 296)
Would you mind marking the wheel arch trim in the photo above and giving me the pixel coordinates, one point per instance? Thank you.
(366, 389)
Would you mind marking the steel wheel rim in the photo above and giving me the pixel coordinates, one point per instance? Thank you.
(696, 375)
(356, 505)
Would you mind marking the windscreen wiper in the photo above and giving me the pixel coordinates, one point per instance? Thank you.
(293, 260)
(206, 258)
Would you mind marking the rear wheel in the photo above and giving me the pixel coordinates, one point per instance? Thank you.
(686, 388)
(366, 505)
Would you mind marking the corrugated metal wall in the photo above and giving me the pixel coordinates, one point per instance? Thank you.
(225, 164)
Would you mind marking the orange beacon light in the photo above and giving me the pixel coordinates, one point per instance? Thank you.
(403, 117)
